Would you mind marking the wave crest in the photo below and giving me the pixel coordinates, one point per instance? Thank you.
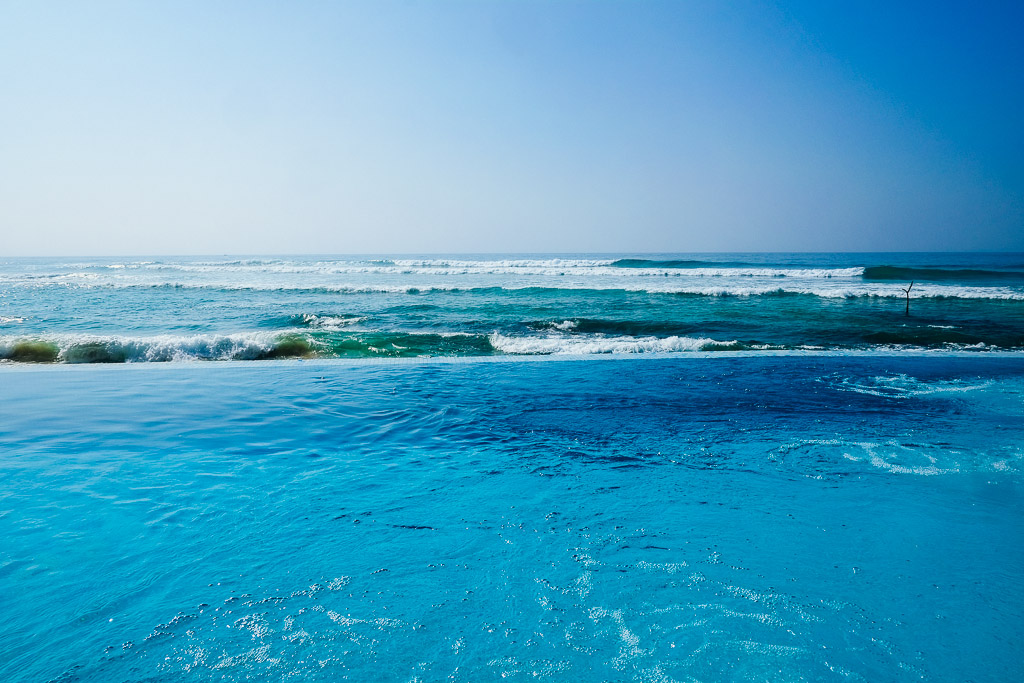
(165, 348)
(556, 345)
(901, 274)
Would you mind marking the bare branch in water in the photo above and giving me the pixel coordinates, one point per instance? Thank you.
(907, 290)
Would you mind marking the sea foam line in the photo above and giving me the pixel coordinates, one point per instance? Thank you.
(547, 268)
(751, 290)
(604, 345)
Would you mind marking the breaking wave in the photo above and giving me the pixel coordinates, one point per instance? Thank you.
(315, 344)
(651, 263)
(941, 274)
(604, 345)
(164, 348)
(753, 287)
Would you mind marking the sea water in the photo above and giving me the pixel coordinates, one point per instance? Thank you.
(163, 309)
(596, 503)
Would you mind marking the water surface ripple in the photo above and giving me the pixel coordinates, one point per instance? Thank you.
(693, 519)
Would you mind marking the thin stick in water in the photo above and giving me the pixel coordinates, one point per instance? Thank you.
(907, 290)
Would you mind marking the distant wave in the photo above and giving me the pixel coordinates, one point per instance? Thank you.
(244, 271)
(652, 263)
(622, 268)
(842, 289)
(940, 274)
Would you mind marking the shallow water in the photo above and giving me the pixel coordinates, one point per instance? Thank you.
(784, 518)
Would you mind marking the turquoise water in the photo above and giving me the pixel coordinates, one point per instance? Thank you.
(672, 467)
(229, 308)
(711, 517)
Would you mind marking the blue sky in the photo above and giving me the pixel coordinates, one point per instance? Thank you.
(327, 127)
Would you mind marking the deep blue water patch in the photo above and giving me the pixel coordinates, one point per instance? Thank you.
(728, 518)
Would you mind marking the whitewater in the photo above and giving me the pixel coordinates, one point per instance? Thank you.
(160, 309)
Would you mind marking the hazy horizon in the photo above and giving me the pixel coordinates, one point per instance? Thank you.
(505, 255)
(497, 128)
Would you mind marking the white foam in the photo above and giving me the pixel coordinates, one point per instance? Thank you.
(586, 269)
(330, 322)
(900, 459)
(891, 456)
(587, 345)
(591, 280)
(158, 348)
(903, 386)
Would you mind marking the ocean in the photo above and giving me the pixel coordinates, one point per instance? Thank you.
(672, 467)
(161, 309)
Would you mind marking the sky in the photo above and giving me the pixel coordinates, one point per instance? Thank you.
(527, 127)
